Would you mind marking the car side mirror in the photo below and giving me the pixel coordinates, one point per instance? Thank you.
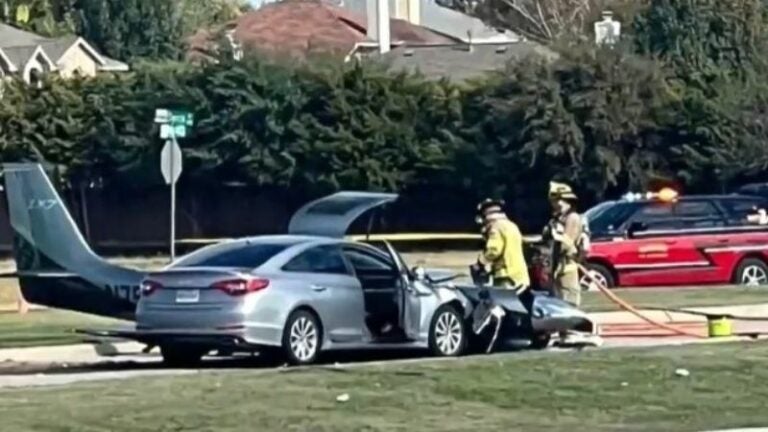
(636, 227)
(419, 273)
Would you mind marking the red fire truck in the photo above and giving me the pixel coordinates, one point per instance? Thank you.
(661, 240)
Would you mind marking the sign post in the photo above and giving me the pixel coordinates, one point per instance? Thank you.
(173, 124)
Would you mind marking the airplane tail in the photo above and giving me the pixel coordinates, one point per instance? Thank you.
(55, 265)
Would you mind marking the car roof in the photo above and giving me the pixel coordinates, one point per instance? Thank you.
(700, 198)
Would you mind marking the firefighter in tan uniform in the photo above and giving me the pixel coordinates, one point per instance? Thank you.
(565, 234)
(503, 249)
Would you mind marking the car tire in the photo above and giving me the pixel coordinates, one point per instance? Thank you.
(448, 336)
(540, 341)
(178, 355)
(601, 272)
(751, 272)
(302, 338)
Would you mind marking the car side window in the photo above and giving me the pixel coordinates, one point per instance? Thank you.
(656, 217)
(698, 214)
(319, 259)
(363, 261)
(739, 209)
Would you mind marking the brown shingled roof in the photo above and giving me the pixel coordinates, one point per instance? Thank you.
(298, 27)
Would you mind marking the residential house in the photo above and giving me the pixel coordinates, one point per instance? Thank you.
(30, 56)
(419, 35)
(298, 28)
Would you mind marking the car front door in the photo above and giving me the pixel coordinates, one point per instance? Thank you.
(334, 292)
(701, 228)
(646, 251)
(411, 308)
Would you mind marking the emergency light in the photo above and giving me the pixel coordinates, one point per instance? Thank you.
(666, 195)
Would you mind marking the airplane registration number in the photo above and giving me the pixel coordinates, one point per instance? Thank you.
(187, 296)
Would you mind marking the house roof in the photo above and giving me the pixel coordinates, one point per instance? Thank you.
(448, 22)
(19, 56)
(296, 27)
(11, 36)
(459, 62)
(18, 46)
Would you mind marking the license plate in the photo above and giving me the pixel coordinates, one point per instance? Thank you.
(187, 296)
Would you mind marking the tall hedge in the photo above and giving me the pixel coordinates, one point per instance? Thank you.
(604, 119)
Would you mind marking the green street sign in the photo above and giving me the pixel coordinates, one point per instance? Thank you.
(181, 118)
(174, 118)
(169, 130)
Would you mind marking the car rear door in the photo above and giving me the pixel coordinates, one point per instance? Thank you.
(333, 291)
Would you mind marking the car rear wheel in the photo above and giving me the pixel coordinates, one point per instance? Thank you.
(752, 272)
(448, 333)
(600, 274)
(302, 338)
(540, 341)
(178, 355)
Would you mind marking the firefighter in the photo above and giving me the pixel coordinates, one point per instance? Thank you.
(563, 233)
(503, 249)
(503, 254)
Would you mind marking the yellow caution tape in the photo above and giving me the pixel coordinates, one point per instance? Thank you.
(396, 237)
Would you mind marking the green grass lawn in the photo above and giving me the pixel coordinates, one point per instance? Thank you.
(677, 297)
(47, 327)
(606, 390)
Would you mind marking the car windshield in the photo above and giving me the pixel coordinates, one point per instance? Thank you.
(233, 256)
(612, 217)
(597, 210)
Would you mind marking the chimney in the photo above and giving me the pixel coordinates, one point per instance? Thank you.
(382, 25)
(372, 28)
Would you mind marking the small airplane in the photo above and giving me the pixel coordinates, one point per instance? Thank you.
(55, 266)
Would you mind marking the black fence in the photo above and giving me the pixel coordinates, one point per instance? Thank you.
(125, 221)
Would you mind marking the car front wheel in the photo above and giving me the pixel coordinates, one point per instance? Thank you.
(598, 274)
(448, 333)
(302, 338)
(752, 272)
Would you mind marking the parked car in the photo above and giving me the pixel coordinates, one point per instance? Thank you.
(691, 240)
(313, 290)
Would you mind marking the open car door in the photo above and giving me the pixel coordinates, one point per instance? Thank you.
(331, 216)
(410, 303)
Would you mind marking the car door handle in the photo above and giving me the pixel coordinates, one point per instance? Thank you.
(318, 288)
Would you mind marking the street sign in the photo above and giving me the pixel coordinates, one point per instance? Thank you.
(174, 118)
(170, 161)
(168, 131)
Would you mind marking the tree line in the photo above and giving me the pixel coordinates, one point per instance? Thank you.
(681, 100)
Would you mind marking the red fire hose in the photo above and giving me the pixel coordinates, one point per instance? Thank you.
(622, 304)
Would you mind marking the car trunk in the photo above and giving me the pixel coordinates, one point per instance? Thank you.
(194, 298)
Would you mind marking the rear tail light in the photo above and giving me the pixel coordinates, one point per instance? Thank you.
(238, 287)
(149, 287)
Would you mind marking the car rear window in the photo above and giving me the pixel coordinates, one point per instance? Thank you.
(233, 256)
